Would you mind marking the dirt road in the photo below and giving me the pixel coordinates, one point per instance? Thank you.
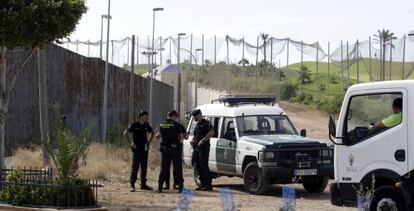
(315, 122)
(116, 195)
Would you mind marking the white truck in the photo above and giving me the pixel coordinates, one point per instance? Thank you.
(255, 139)
(373, 138)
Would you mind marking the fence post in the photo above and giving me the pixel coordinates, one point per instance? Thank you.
(390, 59)
(329, 60)
(347, 65)
(287, 56)
(317, 70)
(357, 60)
(131, 83)
(370, 61)
(403, 64)
(342, 66)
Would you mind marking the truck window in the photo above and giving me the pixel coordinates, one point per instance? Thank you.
(215, 122)
(265, 125)
(228, 131)
(369, 115)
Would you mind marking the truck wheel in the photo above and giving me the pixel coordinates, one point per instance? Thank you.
(316, 186)
(254, 180)
(387, 198)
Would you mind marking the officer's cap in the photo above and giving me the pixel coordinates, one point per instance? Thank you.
(196, 112)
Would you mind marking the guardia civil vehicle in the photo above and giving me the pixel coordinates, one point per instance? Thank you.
(254, 139)
(377, 158)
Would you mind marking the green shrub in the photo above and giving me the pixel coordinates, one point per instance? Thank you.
(331, 106)
(287, 91)
(115, 136)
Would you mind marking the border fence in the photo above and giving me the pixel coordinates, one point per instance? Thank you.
(373, 59)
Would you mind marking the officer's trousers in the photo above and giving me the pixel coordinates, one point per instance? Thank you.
(171, 154)
(200, 157)
(139, 159)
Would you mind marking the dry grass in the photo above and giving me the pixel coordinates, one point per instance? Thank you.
(102, 162)
(25, 157)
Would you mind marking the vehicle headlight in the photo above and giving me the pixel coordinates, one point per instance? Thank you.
(266, 155)
(269, 155)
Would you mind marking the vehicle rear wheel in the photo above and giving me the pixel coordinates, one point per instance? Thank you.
(387, 198)
(317, 185)
(254, 180)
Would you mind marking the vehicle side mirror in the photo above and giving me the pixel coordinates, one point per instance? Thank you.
(332, 131)
(332, 126)
(303, 133)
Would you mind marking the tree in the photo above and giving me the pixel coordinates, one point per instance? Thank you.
(264, 37)
(30, 25)
(304, 75)
(243, 62)
(384, 38)
(207, 63)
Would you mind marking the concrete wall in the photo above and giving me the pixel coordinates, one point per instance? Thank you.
(75, 83)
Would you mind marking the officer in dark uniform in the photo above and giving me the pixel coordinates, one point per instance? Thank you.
(139, 147)
(171, 133)
(167, 179)
(201, 143)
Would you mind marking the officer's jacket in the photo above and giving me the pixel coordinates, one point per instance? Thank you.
(170, 131)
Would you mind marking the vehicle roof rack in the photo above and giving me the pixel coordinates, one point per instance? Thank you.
(235, 100)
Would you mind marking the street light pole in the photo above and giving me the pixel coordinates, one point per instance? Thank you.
(101, 43)
(178, 74)
(151, 69)
(196, 79)
(105, 100)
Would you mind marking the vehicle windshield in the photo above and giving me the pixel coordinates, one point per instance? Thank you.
(265, 125)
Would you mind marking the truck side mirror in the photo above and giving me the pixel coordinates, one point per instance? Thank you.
(332, 126)
(303, 133)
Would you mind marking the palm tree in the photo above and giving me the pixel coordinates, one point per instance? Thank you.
(243, 62)
(69, 150)
(384, 38)
(264, 37)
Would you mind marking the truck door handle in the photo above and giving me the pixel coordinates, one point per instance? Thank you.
(400, 155)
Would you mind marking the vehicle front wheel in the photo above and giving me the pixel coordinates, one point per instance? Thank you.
(317, 185)
(254, 180)
(387, 198)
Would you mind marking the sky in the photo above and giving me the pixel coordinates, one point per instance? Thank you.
(307, 20)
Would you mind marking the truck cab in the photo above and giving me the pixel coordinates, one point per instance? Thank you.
(372, 145)
(254, 139)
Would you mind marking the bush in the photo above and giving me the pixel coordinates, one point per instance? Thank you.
(322, 87)
(115, 136)
(305, 98)
(287, 91)
(72, 192)
(331, 106)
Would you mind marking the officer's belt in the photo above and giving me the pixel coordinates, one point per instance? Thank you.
(173, 145)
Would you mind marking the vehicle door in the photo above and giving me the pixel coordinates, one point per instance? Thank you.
(367, 147)
(226, 147)
(215, 121)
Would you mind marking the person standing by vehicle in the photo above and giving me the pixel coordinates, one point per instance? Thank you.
(139, 147)
(171, 133)
(201, 143)
(167, 179)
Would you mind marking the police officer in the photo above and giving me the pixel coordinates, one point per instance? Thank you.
(201, 143)
(167, 179)
(139, 147)
(171, 134)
